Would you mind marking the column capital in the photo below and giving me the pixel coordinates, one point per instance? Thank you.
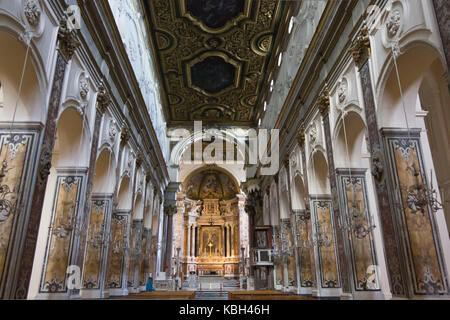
(360, 48)
(68, 42)
(323, 103)
(139, 160)
(103, 99)
(301, 137)
(170, 210)
(125, 135)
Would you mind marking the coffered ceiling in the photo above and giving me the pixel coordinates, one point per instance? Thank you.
(213, 57)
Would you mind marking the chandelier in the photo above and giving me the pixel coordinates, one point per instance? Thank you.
(98, 237)
(419, 196)
(321, 238)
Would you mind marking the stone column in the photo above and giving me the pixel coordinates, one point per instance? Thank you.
(324, 108)
(67, 44)
(361, 53)
(103, 101)
(228, 241)
(442, 11)
(301, 142)
(169, 212)
(189, 240)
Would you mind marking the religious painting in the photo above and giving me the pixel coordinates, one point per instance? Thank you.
(326, 244)
(95, 244)
(14, 156)
(60, 236)
(211, 242)
(211, 184)
(360, 237)
(261, 239)
(421, 244)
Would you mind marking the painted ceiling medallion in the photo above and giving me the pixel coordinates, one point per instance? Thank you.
(213, 57)
(213, 74)
(215, 16)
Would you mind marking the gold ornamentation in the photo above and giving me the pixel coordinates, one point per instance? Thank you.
(360, 48)
(324, 103)
(183, 40)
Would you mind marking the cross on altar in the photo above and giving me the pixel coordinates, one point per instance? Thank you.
(210, 245)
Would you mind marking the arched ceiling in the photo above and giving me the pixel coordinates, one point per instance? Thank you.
(214, 57)
(210, 184)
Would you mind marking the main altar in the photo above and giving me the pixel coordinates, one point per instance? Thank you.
(212, 239)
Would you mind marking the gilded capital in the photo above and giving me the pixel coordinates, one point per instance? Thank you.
(68, 41)
(324, 103)
(360, 48)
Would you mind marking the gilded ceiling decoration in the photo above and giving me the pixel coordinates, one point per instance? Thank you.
(213, 57)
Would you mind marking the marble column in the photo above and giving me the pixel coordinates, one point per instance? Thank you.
(67, 44)
(103, 101)
(189, 241)
(361, 53)
(228, 241)
(301, 141)
(442, 11)
(324, 107)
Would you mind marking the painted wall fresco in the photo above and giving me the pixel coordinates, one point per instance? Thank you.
(116, 256)
(421, 244)
(326, 244)
(211, 184)
(13, 156)
(95, 244)
(60, 236)
(361, 243)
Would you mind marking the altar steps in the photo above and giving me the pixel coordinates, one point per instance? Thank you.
(211, 295)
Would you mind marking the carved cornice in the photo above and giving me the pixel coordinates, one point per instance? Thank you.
(323, 104)
(103, 99)
(360, 48)
(68, 41)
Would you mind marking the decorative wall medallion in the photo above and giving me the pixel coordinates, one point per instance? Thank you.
(112, 130)
(342, 90)
(84, 88)
(32, 11)
(313, 134)
(393, 23)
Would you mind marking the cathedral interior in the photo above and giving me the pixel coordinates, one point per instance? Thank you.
(224, 148)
